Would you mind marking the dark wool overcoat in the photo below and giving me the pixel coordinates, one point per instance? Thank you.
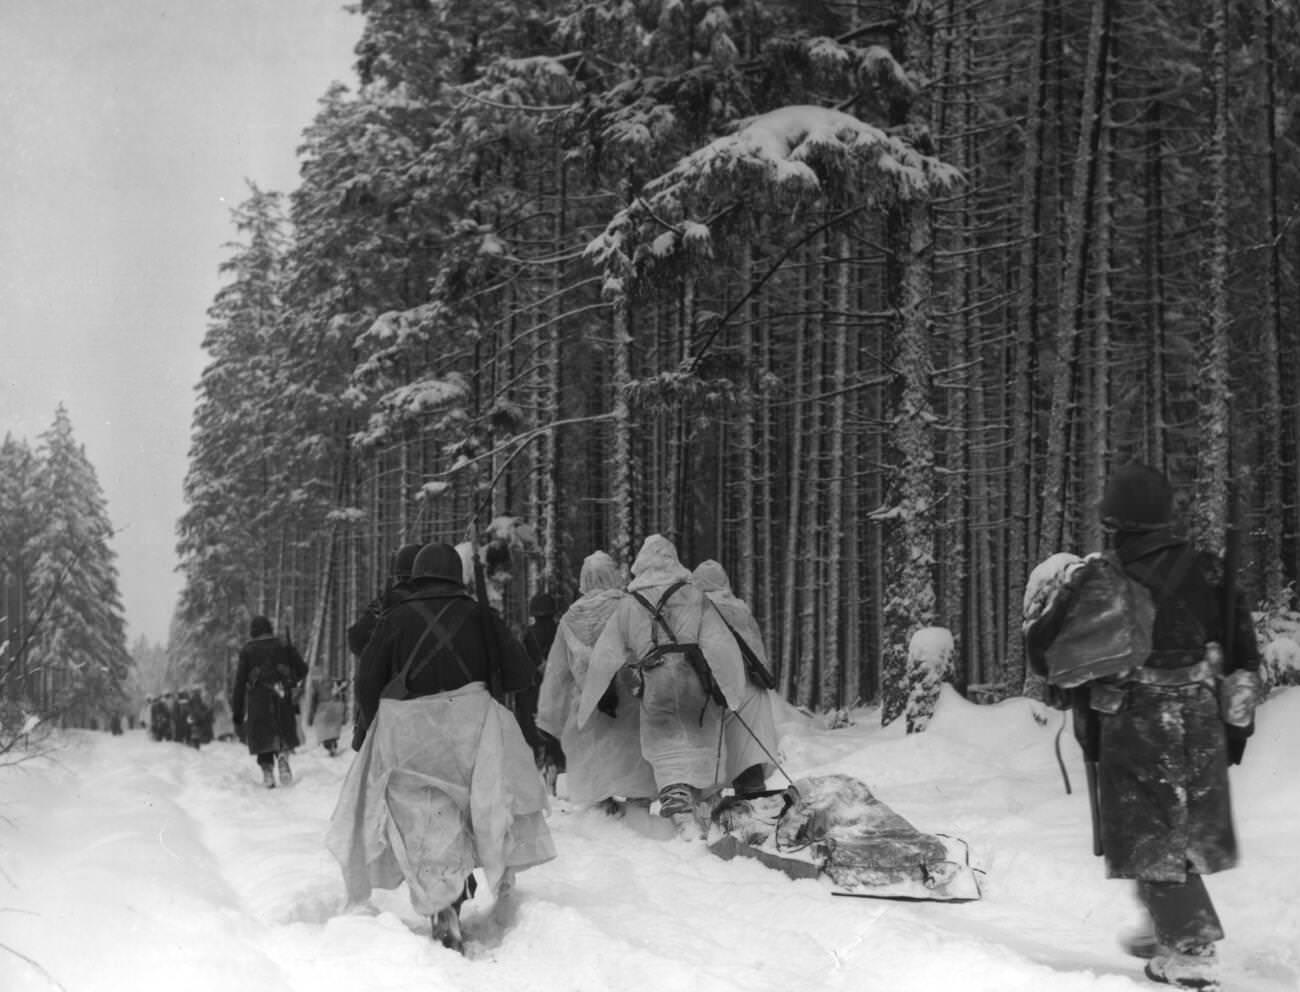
(447, 655)
(262, 696)
(1162, 754)
(160, 721)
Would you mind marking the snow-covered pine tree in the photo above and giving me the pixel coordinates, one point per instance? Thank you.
(798, 157)
(228, 547)
(359, 247)
(78, 651)
(19, 548)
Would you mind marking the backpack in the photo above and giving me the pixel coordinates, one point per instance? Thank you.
(692, 653)
(1107, 628)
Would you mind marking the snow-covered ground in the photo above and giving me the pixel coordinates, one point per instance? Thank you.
(131, 865)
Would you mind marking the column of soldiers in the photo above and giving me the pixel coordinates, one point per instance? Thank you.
(652, 691)
(655, 690)
(183, 716)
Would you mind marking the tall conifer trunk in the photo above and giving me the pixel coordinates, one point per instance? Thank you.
(910, 603)
(744, 487)
(914, 598)
(830, 655)
(1051, 534)
(1024, 346)
(1214, 450)
(790, 660)
(620, 527)
(1277, 460)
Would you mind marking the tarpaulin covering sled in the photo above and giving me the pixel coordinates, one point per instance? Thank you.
(831, 826)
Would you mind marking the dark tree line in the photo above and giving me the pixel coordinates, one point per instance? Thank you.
(861, 299)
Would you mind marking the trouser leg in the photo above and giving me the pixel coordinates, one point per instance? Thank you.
(446, 922)
(1182, 913)
(266, 762)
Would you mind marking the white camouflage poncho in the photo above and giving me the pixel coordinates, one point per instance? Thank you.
(750, 731)
(603, 757)
(681, 734)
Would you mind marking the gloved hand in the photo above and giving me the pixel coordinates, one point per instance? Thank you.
(1058, 698)
(1239, 694)
(609, 702)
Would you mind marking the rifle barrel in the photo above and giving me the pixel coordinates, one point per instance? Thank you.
(1094, 805)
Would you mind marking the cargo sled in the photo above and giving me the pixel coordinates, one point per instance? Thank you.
(832, 827)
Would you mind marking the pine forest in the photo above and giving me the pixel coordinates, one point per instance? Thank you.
(63, 652)
(862, 299)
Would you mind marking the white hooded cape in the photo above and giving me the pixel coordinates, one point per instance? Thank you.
(750, 731)
(602, 758)
(678, 753)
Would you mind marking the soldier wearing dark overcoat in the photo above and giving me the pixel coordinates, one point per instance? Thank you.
(1162, 736)
(160, 718)
(178, 704)
(160, 721)
(261, 699)
(460, 790)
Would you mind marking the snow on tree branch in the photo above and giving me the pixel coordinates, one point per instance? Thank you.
(538, 84)
(412, 402)
(347, 516)
(788, 157)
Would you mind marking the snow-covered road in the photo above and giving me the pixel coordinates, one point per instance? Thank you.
(126, 864)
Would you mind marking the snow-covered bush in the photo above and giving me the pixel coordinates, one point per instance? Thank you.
(929, 663)
(23, 734)
(1282, 660)
(1277, 628)
(837, 719)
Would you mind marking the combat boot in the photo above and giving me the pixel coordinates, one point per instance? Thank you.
(1197, 967)
(446, 929)
(676, 799)
(1141, 941)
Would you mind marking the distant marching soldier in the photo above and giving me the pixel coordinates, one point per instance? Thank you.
(269, 670)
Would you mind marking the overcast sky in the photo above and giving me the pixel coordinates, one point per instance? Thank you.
(129, 128)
